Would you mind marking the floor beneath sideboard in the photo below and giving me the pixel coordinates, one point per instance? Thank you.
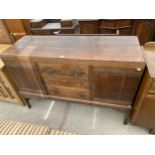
(72, 117)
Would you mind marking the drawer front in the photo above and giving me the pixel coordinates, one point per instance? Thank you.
(67, 83)
(65, 70)
(68, 92)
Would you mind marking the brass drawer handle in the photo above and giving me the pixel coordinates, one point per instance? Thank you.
(77, 73)
(49, 71)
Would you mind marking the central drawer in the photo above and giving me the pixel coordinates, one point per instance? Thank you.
(63, 70)
(65, 79)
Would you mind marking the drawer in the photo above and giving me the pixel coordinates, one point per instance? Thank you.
(68, 82)
(152, 88)
(68, 92)
(63, 70)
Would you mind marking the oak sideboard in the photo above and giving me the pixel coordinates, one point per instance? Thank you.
(143, 113)
(99, 70)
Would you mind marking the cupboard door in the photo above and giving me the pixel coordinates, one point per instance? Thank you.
(114, 85)
(24, 76)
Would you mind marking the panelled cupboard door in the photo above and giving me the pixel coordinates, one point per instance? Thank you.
(114, 85)
(24, 77)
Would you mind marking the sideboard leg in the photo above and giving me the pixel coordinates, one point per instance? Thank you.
(28, 103)
(126, 120)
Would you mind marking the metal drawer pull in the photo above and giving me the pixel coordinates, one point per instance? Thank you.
(77, 73)
(139, 69)
(50, 71)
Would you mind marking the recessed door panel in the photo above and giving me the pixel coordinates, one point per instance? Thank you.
(114, 85)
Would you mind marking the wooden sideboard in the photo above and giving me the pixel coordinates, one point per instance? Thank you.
(8, 90)
(144, 107)
(143, 28)
(98, 70)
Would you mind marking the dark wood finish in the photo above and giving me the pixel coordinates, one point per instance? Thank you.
(115, 85)
(66, 23)
(54, 28)
(88, 26)
(67, 67)
(25, 75)
(143, 28)
(144, 107)
(38, 23)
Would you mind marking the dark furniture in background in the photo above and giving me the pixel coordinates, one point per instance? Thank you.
(143, 28)
(100, 70)
(52, 27)
(144, 107)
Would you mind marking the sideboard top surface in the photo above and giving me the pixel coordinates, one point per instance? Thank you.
(98, 48)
